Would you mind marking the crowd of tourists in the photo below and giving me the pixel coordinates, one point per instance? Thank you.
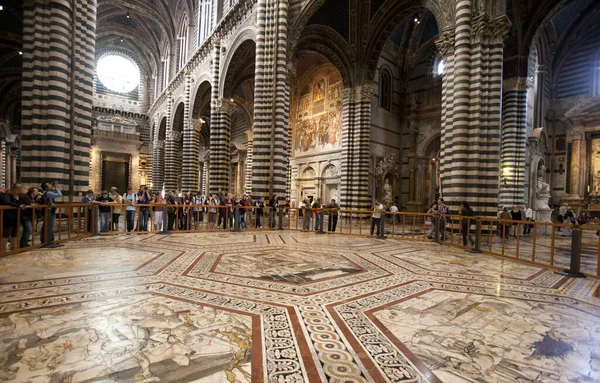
(145, 210)
(26, 216)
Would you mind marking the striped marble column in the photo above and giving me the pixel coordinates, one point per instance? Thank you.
(190, 171)
(271, 101)
(356, 130)
(456, 164)
(158, 165)
(249, 145)
(220, 141)
(48, 46)
(487, 45)
(446, 46)
(204, 178)
(514, 142)
(172, 163)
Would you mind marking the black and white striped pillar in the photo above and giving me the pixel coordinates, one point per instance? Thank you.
(220, 141)
(271, 101)
(48, 47)
(158, 165)
(514, 142)
(356, 130)
(190, 171)
(446, 46)
(249, 145)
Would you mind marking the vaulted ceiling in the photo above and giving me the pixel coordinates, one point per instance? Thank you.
(140, 27)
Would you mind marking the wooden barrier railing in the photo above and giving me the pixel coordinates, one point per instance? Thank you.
(541, 243)
(34, 226)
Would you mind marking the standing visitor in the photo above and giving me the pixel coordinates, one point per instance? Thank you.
(394, 209)
(432, 220)
(515, 215)
(118, 208)
(10, 224)
(51, 191)
(569, 219)
(443, 210)
(260, 204)
(376, 217)
(317, 212)
(528, 218)
(307, 210)
(104, 200)
(89, 198)
(158, 211)
(27, 217)
(130, 198)
(466, 211)
(171, 205)
(273, 204)
(505, 216)
(143, 199)
(334, 209)
(212, 211)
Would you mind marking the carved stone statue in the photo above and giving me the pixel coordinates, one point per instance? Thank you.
(387, 192)
(542, 195)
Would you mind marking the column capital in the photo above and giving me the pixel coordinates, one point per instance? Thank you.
(480, 28)
(490, 30)
(500, 27)
(515, 83)
(224, 105)
(446, 42)
(249, 134)
(363, 92)
(173, 135)
(158, 144)
(575, 133)
(196, 124)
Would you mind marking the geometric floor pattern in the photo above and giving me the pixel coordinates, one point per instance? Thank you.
(289, 307)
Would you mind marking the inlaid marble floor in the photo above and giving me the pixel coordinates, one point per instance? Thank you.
(289, 307)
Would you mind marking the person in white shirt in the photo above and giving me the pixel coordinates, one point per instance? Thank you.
(528, 217)
(394, 209)
(376, 219)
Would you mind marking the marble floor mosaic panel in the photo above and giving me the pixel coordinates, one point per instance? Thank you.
(283, 306)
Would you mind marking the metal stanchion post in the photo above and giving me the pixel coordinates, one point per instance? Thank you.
(573, 270)
(236, 217)
(477, 247)
(95, 220)
(280, 225)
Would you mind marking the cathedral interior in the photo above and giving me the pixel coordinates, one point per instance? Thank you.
(493, 103)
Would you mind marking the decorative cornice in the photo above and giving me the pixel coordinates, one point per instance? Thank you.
(240, 12)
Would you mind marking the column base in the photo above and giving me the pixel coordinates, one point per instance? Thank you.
(414, 207)
(573, 200)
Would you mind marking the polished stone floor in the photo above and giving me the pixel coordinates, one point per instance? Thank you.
(289, 307)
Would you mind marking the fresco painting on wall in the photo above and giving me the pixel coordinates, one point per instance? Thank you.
(596, 164)
(319, 115)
